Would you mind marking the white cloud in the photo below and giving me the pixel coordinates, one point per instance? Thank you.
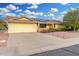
(28, 12)
(6, 12)
(62, 15)
(21, 14)
(36, 3)
(19, 10)
(72, 8)
(33, 13)
(26, 15)
(3, 10)
(10, 14)
(12, 7)
(38, 13)
(45, 15)
(19, 3)
(50, 14)
(64, 12)
(34, 6)
(56, 18)
(54, 10)
(31, 16)
(64, 3)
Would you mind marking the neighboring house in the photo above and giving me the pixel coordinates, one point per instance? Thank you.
(23, 24)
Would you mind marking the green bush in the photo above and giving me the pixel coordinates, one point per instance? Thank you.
(54, 30)
(3, 25)
(60, 29)
(51, 30)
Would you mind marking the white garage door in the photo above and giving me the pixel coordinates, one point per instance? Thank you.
(19, 27)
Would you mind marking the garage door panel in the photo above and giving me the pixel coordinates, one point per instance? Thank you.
(15, 27)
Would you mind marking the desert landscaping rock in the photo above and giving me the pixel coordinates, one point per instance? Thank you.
(66, 34)
(3, 38)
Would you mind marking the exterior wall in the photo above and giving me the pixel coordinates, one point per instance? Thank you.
(20, 27)
(47, 27)
(56, 26)
(53, 26)
(50, 26)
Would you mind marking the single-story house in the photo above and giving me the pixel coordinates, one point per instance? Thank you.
(23, 24)
(47, 24)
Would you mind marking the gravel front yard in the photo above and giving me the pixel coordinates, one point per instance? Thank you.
(65, 35)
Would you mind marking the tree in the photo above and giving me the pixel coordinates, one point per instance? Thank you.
(71, 20)
(3, 25)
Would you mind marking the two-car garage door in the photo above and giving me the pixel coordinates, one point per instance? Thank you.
(20, 27)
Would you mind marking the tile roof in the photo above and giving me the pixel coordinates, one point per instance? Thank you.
(16, 20)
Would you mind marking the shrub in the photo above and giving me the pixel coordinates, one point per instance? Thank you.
(54, 30)
(60, 29)
(51, 30)
(44, 31)
(3, 25)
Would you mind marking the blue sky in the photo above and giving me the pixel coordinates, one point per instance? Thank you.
(51, 11)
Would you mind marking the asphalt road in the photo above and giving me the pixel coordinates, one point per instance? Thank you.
(67, 51)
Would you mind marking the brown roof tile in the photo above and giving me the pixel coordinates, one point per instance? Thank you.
(16, 20)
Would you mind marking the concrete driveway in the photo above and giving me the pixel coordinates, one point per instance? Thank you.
(31, 43)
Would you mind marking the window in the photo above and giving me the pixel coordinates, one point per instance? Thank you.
(42, 25)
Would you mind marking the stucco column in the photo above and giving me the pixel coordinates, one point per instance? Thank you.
(53, 25)
(38, 25)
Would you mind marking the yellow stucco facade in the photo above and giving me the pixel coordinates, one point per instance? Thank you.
(54, 26)
(28, 26)
(57, 26)
(20, 27)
